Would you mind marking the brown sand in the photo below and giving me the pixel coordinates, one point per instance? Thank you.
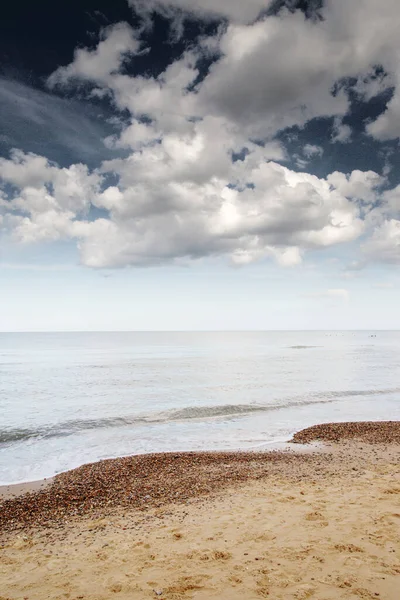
(323, 526)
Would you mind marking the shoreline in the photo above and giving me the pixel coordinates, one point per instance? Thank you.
(12, 490)
(312, 439)
(144, 481)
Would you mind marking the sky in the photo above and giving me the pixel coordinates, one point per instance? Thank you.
(199, 165)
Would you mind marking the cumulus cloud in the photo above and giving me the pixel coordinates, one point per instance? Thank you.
(383, 225)
(45, 199)
(262, 95)
(387, 125)
(118, 43)
(162, 210)
(265, 96)
(362, 185)
(204, 174)
(71, 189)
(310, 59)
(384, 244)
(300, 81)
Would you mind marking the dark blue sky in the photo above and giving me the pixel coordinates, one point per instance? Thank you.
(35, 39)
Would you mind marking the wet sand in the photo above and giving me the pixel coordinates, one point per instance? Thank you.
(215, 525)
(19, 489)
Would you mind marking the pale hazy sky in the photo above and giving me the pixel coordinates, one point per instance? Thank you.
(188, 164)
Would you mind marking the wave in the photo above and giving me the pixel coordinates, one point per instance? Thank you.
(73, 426)
(302, 347)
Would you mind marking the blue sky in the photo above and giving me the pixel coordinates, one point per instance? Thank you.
(188, 164)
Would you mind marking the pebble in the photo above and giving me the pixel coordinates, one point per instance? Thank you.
(138, 482)
(375, 432)
(95, 490)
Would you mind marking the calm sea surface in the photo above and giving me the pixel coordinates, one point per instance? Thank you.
(71, 398)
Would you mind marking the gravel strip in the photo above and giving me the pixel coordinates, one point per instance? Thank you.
(383, 432)
(156, 480)
(138, 482)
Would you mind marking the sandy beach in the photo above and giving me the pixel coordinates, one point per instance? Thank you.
(282, 525)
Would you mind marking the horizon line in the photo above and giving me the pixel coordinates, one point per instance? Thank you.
(198, 331)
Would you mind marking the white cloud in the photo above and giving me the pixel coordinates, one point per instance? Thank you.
(391, 201)
(310, 150)
(246, 87)
(341, 133)
(267, 95)
(118, 43)
(361, 185)
(175, 201)
(47, 199)
(235, 10)
(195, 183)
(309, 57)
(387, 125)
(383, 224)
(384, 244)
(44, 185)
(25, 169)
(373, 84)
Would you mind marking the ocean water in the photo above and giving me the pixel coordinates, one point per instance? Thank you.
(72, 398)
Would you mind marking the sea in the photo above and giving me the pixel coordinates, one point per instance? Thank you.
(71, 398)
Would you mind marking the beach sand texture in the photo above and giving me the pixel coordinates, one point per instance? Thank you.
(233, 526)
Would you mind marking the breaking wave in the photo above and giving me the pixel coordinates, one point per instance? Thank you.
(73, 426)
